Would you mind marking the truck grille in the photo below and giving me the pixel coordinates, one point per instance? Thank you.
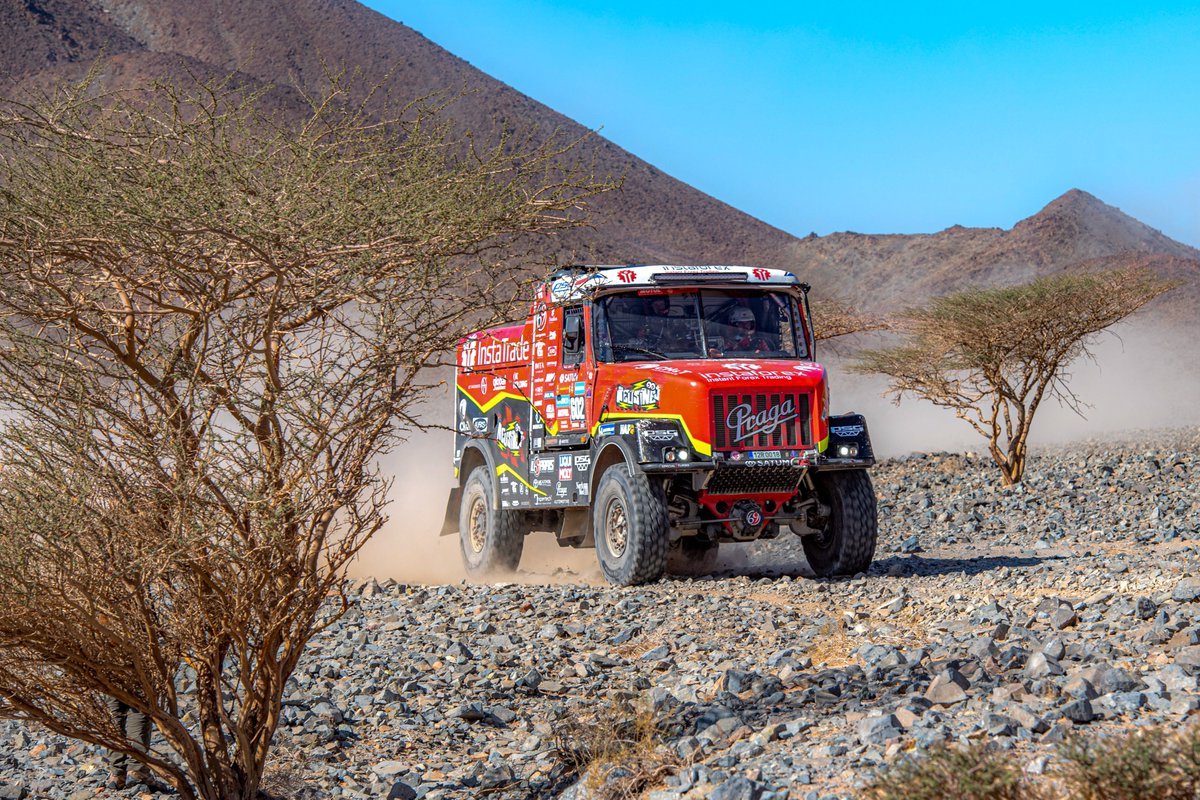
(748, 479)
(762, 419)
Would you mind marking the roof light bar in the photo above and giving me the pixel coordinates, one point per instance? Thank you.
(699, 277)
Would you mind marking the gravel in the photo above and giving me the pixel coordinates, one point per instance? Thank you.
(1016, 615)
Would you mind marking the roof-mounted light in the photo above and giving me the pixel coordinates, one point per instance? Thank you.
(699, 277)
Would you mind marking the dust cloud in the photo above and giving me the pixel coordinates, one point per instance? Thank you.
(1143, 378)
(409, 548)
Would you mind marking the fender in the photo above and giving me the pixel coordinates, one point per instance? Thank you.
(612, 450)
(450, 523)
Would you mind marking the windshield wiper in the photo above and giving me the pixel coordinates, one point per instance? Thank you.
(632, 349)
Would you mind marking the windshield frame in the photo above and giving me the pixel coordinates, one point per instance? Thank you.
(704, 319)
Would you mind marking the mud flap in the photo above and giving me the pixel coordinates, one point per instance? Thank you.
(450, 525)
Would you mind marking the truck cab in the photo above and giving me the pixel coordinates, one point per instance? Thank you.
(655, 413)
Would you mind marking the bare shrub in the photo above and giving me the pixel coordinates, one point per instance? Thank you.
(976, 773)
(212, 323)
(619, 751)
(993, 355)
(1153, 763)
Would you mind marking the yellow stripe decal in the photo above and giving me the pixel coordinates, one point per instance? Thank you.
(490, 404)
(500, 470)
(823, 445)
(700, 446)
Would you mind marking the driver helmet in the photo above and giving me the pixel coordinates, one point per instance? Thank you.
(741, 316)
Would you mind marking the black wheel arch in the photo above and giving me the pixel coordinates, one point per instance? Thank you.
(473, 455)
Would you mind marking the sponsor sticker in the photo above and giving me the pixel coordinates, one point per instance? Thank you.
(564, 473)
(607, 429)
(659, 435)
(481, 352)
(846, 431)
(583, 463)
(564, 460)
(581, 489)
(543, 465)
(580, 386)
(640, 396)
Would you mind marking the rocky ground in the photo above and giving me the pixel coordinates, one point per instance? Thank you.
(1013, 615)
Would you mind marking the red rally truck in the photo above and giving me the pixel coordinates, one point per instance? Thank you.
(655, 413)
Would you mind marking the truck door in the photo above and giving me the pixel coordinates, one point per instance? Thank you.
(563, 371)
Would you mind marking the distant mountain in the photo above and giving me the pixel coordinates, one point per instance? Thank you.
(654, 218)
(1075, 231)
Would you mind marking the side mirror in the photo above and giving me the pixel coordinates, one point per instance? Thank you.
(572, 331)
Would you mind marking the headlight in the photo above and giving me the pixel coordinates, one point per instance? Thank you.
(847, 450)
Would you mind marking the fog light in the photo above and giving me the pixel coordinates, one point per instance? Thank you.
(669, 454)
(684, 455)
(847, 450)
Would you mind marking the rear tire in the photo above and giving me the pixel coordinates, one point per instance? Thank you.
(491, 539)
(630, 523)
(692, 555)
(847, 544)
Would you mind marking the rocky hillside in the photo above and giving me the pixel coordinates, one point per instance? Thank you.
(1075, 231)
(654, 218)
(1017, 615)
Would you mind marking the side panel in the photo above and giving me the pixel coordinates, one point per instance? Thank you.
(492, 408)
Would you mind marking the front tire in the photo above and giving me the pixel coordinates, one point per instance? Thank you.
(630, 523)
(491, 539)
(846, 545)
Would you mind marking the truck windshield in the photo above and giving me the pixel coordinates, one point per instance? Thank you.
(698, 323)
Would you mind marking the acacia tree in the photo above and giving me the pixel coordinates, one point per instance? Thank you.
(213, 321)
(834, 317)
(993, 355)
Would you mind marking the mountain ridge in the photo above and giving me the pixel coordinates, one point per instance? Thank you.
(653, 218)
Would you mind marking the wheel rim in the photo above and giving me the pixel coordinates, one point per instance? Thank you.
(477, 531)
(616, 528)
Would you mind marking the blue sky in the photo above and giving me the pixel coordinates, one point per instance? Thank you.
(888, 118)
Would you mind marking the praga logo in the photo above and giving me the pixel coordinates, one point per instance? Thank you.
(626, 276)
(744, 423)
(761, 274)
(641, 396)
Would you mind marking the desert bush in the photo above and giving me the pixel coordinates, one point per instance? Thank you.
(618, 751)
(1148, 764)
(946, 771)
(213, 322)
(993, 355)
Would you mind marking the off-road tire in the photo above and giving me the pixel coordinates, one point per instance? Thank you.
(630, 522)
(847, 544)
(692, 555)
(491, 539)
